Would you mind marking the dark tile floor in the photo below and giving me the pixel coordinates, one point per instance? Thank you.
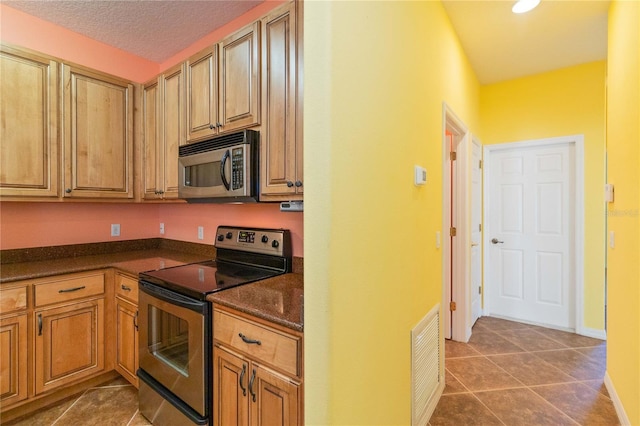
(113, 404)
(517, 374)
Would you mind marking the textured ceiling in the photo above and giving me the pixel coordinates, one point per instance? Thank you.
(151, 29)
(501, 45)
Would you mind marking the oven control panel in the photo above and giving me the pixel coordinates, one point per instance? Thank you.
(275, 242)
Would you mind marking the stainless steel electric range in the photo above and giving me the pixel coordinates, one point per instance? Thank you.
(175, 338)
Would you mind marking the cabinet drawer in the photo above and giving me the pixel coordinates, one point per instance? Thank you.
(12, 299)
(276, 348)
(127, 288)
(70, 287)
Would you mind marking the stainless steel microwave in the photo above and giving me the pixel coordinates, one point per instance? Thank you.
(220, 170)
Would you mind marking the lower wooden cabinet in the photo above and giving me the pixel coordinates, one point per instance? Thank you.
(127, 340)
(255, 384)
(249, 394)
(126, 318)
(69, 343)
(13, 359)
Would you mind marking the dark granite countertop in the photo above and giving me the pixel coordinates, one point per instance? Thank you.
(279, 300)
(131, 262)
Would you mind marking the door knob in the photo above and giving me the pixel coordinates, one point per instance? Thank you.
(496, 241)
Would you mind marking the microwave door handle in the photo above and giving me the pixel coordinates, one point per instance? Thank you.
(223, 163)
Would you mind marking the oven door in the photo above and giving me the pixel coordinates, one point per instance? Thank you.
(173, 343)
(222, 172)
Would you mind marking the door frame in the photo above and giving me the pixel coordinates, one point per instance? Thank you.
(461, 247)
(578, 143)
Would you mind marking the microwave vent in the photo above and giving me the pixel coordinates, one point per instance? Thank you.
(243, 137)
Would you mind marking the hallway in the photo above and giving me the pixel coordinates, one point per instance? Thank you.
(517, 374)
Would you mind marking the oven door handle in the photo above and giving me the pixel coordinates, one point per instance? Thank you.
(223, 164)
(172, 297)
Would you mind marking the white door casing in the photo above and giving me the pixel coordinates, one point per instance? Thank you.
(456, 212)
(534, 211)
(475, 288)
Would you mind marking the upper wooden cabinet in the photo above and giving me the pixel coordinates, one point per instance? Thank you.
(281, 138)
(97, 118)
(164, 131)
(223, 85)
(29, 126)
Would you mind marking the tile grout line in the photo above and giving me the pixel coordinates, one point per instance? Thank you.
(69, 408)
(133, 417)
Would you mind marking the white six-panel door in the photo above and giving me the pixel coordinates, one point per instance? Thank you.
(530, 234)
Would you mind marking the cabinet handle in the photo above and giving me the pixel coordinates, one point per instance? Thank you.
(71, 290)
(253, 378)
(68, 190)
(244, 371)
(218, 124)
(39, 324)
(211, 126)
(125, 288)
(249, 341)
(298, 184)
(290, 184)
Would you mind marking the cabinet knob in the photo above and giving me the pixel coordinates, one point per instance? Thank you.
(218, 124)
(211, 126)
(68, 190)
(289, 184)
(298, 184)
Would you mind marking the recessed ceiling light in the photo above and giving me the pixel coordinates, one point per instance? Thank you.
(523, 6)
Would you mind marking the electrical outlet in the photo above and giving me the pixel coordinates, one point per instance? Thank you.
(200, 232)
(115, 229)
(161, 228)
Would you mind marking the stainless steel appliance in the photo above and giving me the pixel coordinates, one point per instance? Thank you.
(223, 169)
(175, 321)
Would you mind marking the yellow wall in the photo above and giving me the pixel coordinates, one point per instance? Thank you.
(376, 74)
(623, 151)
(563, 102)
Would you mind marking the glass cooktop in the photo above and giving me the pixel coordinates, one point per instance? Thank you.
(199, 279)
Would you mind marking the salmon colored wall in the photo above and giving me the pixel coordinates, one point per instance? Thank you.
(25, 225)
(33, 33)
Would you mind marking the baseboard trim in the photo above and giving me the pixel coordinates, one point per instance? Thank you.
(622, 415)
(592, 332)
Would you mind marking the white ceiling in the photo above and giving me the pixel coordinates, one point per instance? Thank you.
(151, 29)
(499, 44)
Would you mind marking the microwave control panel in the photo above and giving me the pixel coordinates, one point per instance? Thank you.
(237, 168)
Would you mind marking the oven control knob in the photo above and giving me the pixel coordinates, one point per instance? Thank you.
(275, 243)
(220, 237)
(229, 235)
(265, 239)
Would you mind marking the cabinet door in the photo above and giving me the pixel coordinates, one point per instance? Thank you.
(127, 340)
(173, 129)
(279, 149)
(202, 95)
(98, 134)
(276, 401)
(13, 359)
(230, 389)
(29, 130)
(152, 122)
(240, 79)
(69, 343)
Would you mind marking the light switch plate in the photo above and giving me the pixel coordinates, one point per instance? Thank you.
(115, 229)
